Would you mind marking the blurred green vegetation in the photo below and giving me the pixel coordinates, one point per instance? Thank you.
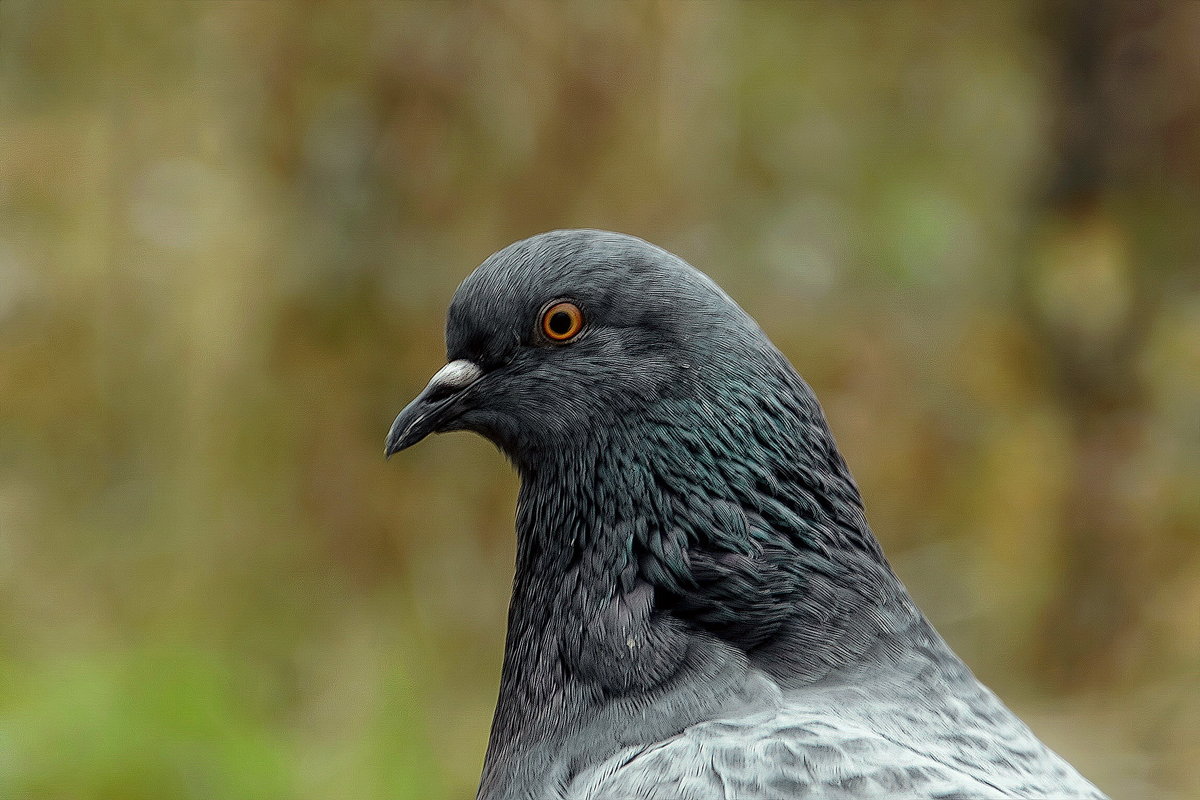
(228, 234)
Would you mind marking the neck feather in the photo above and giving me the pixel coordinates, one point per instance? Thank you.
(682, 534)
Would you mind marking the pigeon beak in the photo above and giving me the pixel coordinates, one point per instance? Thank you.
(432, 407)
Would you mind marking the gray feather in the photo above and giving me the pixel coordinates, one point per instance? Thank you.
(700, 610)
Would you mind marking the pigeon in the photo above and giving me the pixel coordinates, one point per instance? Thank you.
(700, 610)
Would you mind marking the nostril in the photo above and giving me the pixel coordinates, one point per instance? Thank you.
(452, 378)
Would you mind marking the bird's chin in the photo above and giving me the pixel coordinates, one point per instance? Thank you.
(500, 432)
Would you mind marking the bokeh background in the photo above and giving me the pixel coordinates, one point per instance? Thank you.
(228, 235)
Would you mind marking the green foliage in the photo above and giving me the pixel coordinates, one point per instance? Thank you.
(135, 724)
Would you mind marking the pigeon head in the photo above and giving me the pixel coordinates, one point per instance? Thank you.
(572, 332)
(672, 460)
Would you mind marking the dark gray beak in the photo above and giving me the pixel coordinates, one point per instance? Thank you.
(433, 408)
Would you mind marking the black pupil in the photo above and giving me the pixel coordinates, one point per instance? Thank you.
(560, 323)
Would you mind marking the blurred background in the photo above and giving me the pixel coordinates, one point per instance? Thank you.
(228, 235)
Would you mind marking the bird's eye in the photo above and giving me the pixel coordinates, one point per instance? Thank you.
(562, 322)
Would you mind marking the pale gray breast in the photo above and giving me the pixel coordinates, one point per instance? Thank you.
(845, 742)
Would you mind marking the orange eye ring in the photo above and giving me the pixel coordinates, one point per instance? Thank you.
(562, 322)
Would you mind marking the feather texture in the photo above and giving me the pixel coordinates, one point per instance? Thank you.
(699, 609)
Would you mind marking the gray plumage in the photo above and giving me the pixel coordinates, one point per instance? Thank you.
(700, 609)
